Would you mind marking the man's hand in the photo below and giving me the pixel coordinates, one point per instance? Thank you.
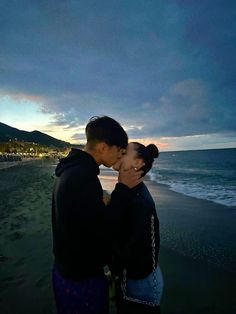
(130, 177)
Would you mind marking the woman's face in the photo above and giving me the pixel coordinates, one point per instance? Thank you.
(129, 159)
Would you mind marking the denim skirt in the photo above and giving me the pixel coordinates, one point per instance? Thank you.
(149, 289)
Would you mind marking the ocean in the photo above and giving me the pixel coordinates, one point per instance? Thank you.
(204, 174)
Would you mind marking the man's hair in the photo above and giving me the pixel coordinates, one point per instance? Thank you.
(105, 129)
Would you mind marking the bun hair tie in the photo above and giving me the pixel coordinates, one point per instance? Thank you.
(153, 150)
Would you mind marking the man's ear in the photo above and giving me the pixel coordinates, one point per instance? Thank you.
(102, 147)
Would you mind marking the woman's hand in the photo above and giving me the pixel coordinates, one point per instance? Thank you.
(130, 177)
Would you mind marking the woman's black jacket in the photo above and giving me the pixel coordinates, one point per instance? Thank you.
(132, 247)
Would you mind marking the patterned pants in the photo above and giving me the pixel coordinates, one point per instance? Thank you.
(88, 296)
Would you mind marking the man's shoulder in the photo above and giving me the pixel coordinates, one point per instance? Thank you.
(80, 173)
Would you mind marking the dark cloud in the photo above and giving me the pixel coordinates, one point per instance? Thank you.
(166, 68)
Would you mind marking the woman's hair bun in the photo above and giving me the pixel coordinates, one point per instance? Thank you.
(153, 150)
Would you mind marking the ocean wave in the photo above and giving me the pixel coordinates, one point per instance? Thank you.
(225, 195)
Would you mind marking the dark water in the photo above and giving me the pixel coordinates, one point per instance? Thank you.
(205, 174)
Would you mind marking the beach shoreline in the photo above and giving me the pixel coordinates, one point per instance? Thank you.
(9, 164)
(192, 282)
(109, 178)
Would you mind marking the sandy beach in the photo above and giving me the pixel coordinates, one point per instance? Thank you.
(9, 164)
(25, 238)
(196, 256)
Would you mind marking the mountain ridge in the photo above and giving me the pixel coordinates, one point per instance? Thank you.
(8, 132)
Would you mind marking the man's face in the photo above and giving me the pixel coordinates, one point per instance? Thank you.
(128, 160)
(112, 155)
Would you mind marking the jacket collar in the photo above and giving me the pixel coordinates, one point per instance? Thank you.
(138, 188)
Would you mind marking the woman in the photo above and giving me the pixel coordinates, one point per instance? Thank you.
(136, 248)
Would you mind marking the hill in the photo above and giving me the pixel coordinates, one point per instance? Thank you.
(10, 133)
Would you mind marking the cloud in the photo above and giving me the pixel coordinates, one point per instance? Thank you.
(78, 137)
(203, 141)
(17, 96)
(161, 69)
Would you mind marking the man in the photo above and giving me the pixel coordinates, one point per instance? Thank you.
(83, 227)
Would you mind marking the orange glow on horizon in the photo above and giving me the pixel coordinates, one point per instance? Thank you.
(146, 141)
(22, 96)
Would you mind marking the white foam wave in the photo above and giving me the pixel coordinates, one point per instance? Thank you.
(215, 193)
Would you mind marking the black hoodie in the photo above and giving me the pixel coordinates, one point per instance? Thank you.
(83, 227)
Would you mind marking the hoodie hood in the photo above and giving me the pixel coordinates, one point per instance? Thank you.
(74, 158)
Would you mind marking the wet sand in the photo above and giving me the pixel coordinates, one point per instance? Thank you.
(193, 283)
(25, 238)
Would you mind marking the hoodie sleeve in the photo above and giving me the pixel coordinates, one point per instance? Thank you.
(120, 199)
(91, 198)
(89, 214)
(136, 252)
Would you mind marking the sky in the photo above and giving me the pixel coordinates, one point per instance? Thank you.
(164, 69)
